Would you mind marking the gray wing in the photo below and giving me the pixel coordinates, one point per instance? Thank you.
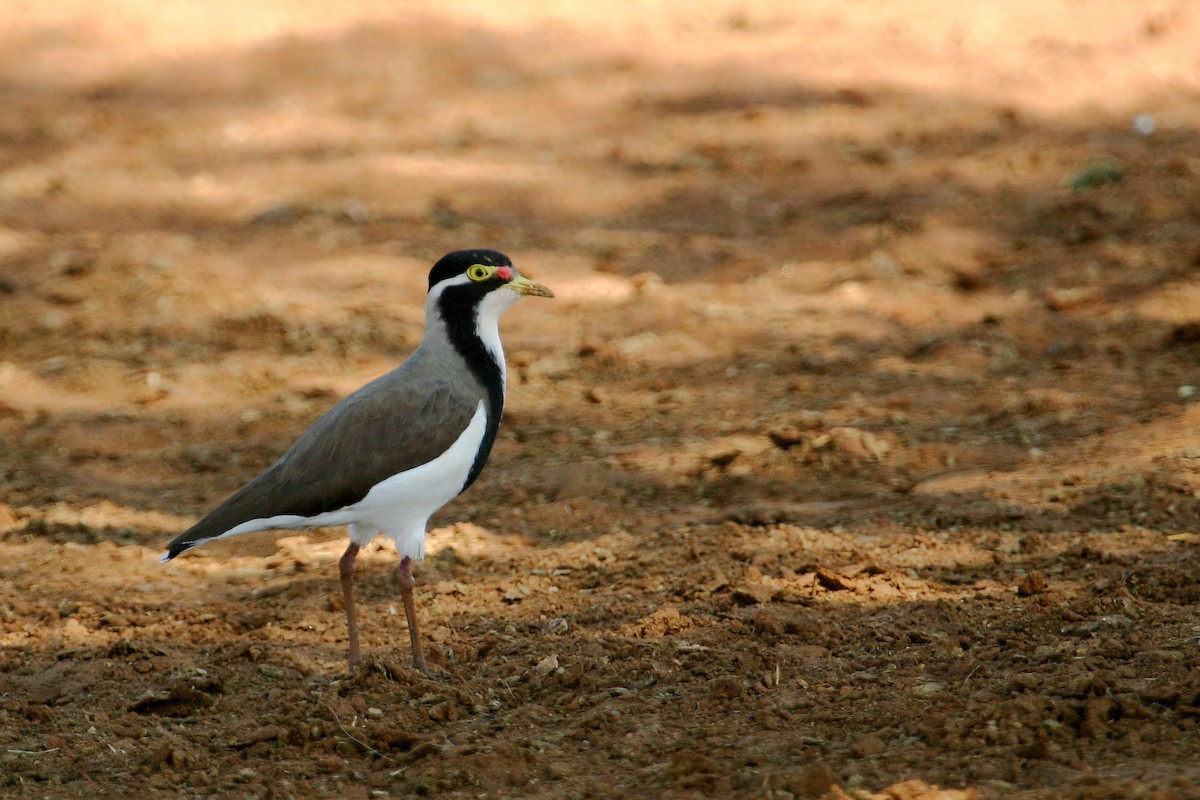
(394, 424)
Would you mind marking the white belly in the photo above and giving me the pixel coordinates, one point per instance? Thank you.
(399, 506)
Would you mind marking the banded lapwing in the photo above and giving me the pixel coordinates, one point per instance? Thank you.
(388, 456)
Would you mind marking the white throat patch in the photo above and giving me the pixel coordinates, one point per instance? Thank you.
(487, 323)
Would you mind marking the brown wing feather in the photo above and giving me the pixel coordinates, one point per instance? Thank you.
(367, 437)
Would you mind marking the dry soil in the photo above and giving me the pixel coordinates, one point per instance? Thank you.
(859, 455)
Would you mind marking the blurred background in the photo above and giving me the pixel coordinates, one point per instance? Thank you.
(858, 451)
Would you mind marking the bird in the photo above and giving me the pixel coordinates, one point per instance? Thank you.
(386, 457)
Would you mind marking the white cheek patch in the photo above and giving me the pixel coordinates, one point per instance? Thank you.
(435, 292)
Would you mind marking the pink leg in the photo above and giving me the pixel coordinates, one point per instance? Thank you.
(405, 577)
(346, 570)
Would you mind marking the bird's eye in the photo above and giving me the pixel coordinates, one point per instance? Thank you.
(479, 272)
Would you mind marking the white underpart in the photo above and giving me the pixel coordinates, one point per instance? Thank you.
(399, 506)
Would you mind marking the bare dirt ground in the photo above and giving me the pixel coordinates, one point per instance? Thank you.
(859, 455)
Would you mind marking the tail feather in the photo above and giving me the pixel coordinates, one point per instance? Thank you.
(252, 501)
(181, 544)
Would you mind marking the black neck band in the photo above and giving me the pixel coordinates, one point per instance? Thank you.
(461, 328)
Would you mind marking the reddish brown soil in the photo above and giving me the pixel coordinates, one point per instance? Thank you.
(859, 455)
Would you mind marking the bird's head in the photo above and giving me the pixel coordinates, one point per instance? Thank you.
(466, 277)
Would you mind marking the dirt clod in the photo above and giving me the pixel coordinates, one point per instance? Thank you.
(865, 746)
(1032, 584)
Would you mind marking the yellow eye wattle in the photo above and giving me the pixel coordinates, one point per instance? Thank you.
(479, 272)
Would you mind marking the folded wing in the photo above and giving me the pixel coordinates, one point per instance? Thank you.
(366, 438)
